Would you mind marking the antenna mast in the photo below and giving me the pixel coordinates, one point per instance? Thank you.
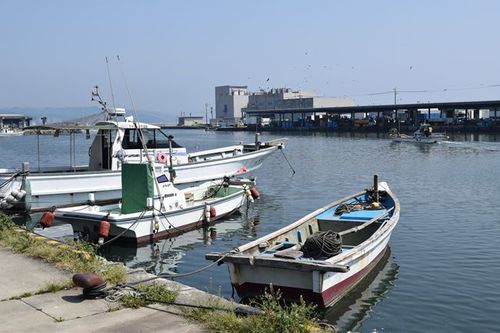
(111, 87)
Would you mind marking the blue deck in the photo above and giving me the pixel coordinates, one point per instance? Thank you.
(361, 216)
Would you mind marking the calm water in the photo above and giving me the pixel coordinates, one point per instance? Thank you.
(443, 272)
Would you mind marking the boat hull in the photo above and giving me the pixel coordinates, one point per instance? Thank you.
(412, 140)
(140, 227)
(322, 288)
(64, 189)
(326, 298)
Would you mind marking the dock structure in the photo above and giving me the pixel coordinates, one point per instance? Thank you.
(446, 115)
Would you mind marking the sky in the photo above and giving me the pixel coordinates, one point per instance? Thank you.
(173, 53)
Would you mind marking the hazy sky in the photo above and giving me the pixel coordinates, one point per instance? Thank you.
(173, 53)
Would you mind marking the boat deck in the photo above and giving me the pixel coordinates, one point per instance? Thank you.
(328, 220)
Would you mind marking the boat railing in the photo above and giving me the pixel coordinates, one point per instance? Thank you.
(216, 151)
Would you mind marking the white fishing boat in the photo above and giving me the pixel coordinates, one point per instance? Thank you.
(9, 131)
(152, 209)
(321, 256)
(30, 189)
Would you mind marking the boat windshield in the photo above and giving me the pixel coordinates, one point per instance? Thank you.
(155, 138)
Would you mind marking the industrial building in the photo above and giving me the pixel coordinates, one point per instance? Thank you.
(234, 104)
(229, 102)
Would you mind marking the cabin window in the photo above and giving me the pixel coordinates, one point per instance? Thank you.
(154, 138)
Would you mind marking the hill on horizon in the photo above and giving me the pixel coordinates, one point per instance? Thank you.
(59, 114)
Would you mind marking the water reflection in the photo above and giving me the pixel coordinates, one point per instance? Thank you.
(352, 310)
(168, 254)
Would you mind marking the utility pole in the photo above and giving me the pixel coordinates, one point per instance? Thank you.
(206, 113)
(395, 102)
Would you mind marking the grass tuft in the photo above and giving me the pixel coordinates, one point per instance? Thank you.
(147, 294)
(71, 256)
(277, 318)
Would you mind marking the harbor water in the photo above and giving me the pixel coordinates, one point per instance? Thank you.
(442, 271)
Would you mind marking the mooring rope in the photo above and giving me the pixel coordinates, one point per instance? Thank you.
(322, 244)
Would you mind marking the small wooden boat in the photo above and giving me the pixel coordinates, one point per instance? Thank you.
(150, 211)
(321, 256)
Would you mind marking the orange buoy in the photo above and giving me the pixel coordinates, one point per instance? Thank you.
(255, 193)
(47, 219)
(213, 212)
(104, 227)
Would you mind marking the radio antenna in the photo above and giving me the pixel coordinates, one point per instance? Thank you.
(111, 86)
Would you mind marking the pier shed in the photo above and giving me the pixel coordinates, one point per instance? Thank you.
(411, 114)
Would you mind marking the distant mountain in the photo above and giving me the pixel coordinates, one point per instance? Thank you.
(60, 114)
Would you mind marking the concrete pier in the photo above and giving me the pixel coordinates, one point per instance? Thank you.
(23, 310)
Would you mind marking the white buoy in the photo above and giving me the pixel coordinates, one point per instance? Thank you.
(149, 202)
(92, 198)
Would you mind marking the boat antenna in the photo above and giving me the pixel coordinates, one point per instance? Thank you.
(141, 135)
(111, 87)
(97, 97)
(126, 87)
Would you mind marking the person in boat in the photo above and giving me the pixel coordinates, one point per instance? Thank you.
(426, 129)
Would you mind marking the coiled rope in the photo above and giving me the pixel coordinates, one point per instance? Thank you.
(322, 244)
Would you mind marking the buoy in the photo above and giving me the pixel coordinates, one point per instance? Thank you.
(104, 227)
(18, 194)
(156, 224)
(161, 157)
(255, 194)
(10, 199)
(248, 193)
(213, 233)
(213, 212)
(208, 210)
(47, 219)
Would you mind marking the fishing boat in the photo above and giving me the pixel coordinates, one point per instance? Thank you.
(153, 208)
(321, 256)
(31, 189)
(415, 139)
(423, 135)
(9, 131)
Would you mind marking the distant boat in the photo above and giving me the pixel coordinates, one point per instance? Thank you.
(321, 256)
(423, 135)
(8, 131)
(150, 211)
(414, 139)
(31, 189)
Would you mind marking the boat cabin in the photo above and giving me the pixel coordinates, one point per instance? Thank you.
(118, 142)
